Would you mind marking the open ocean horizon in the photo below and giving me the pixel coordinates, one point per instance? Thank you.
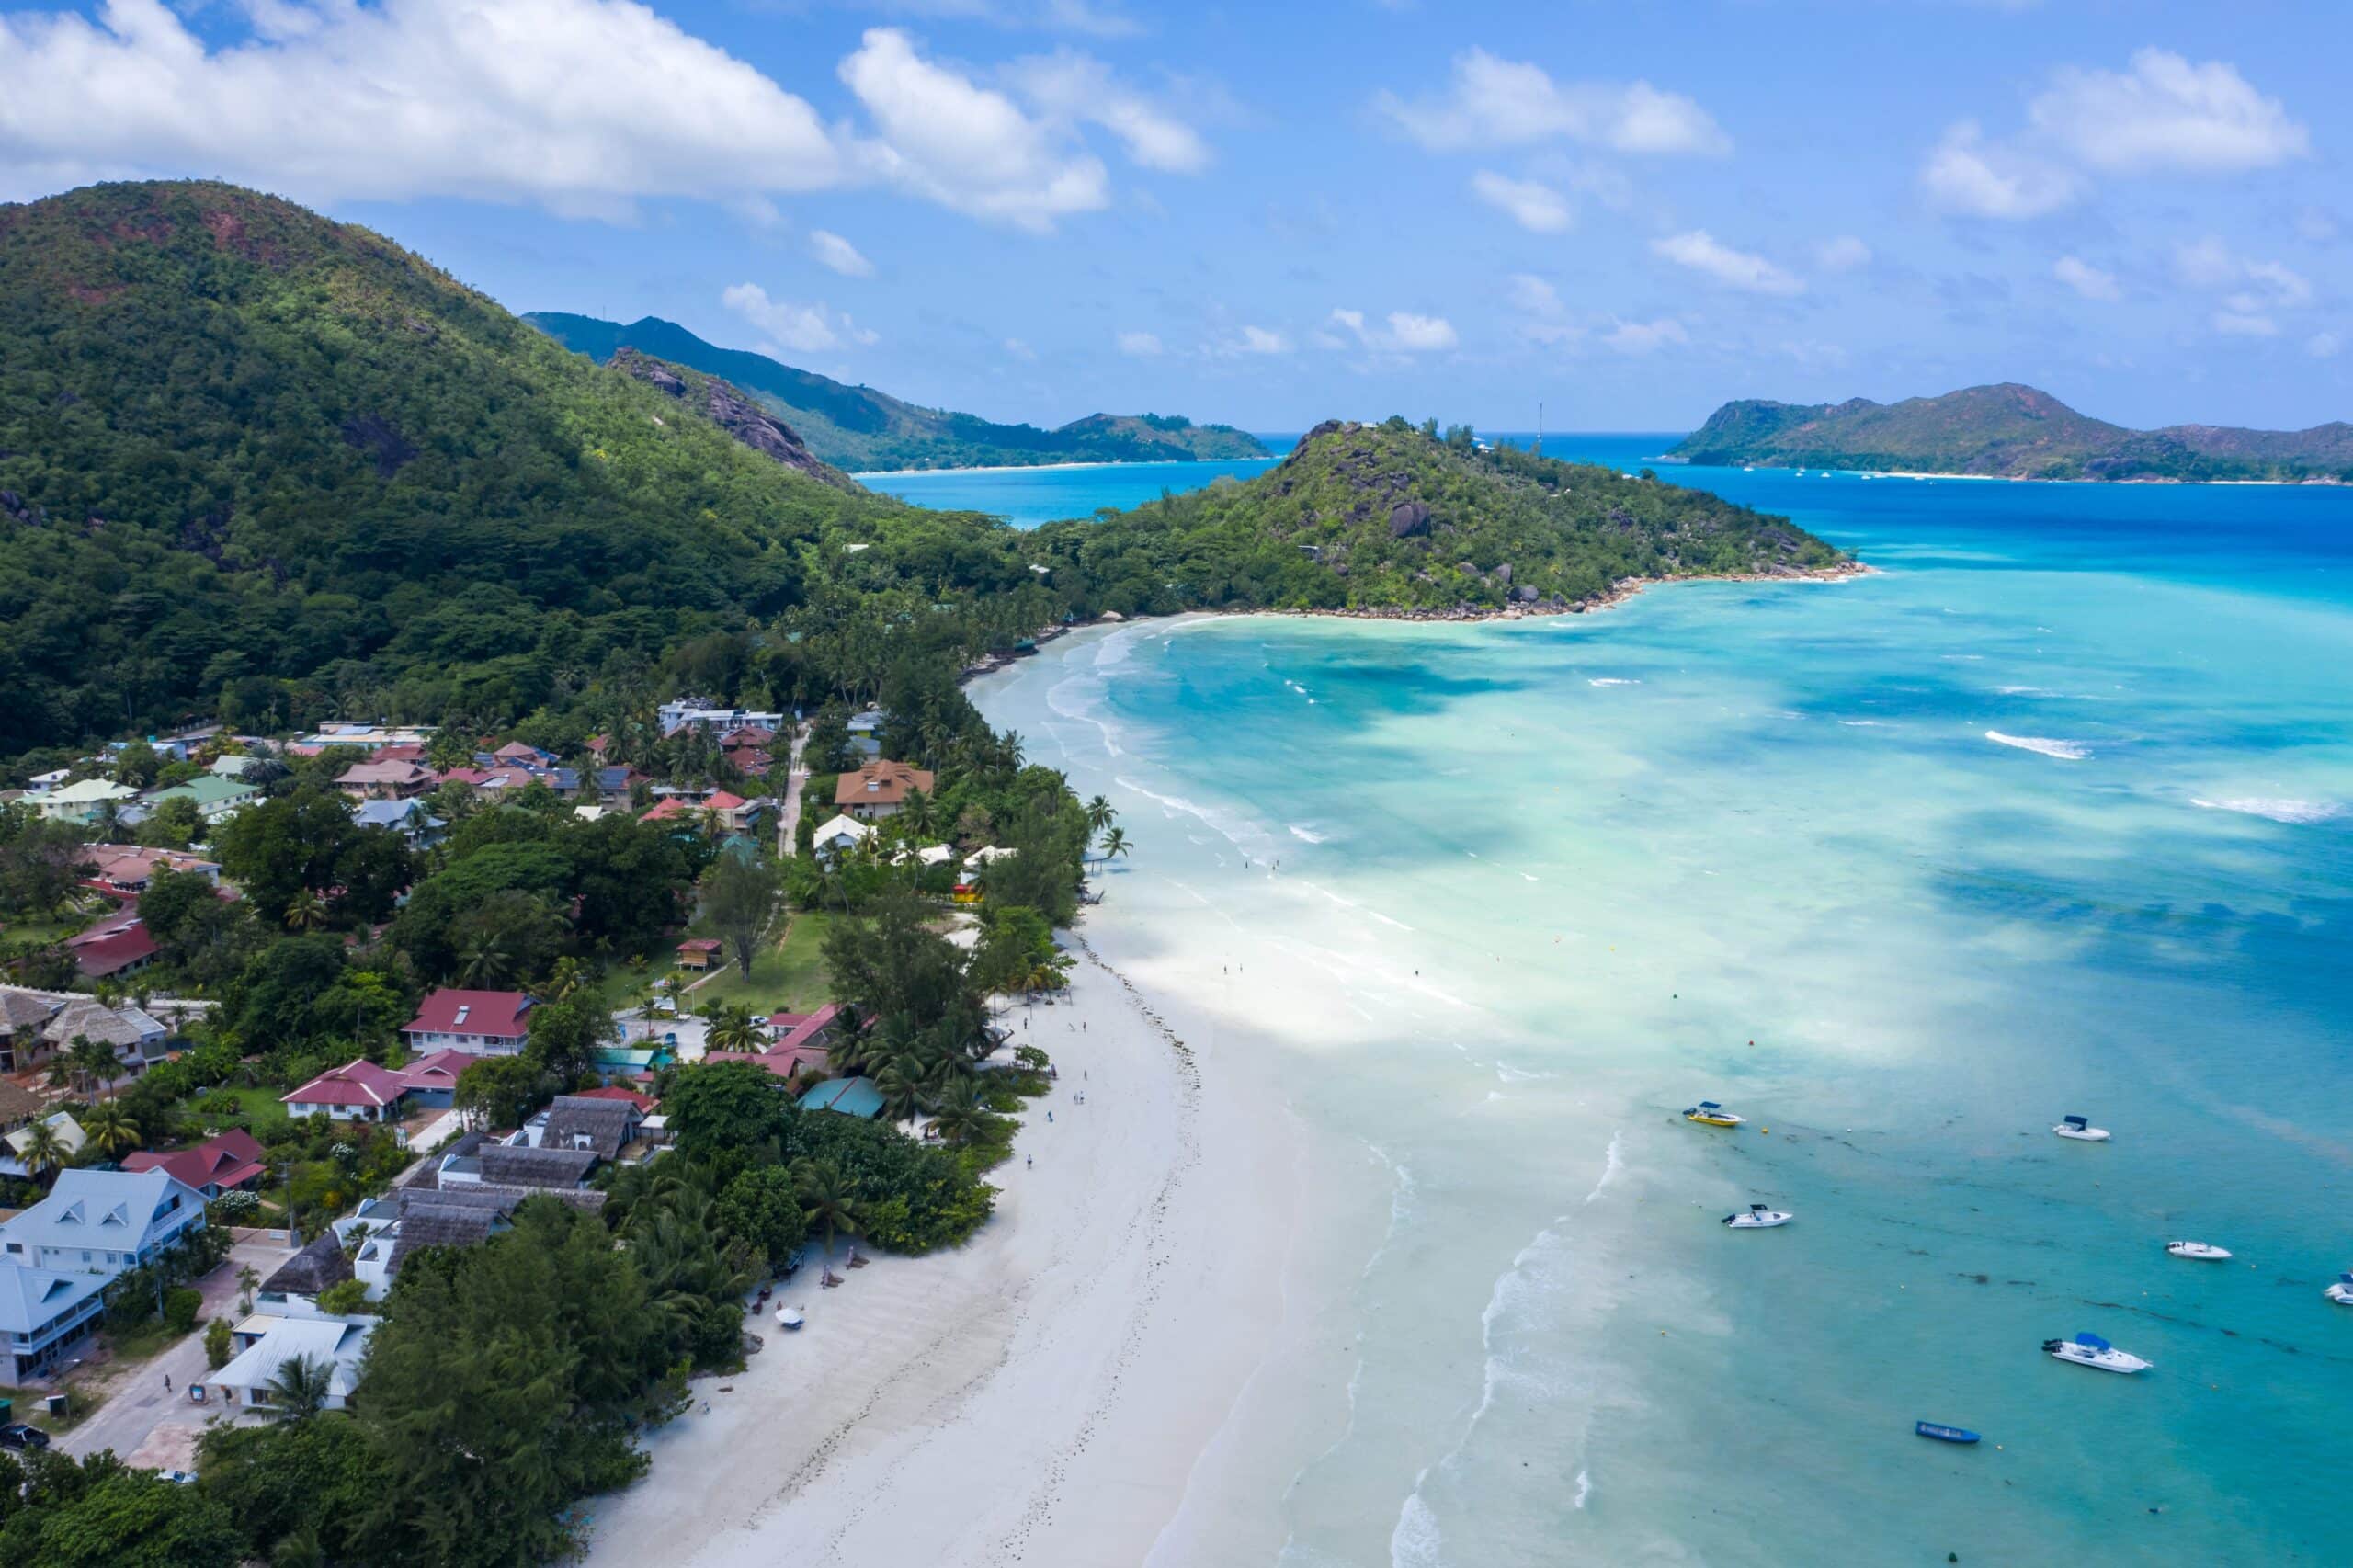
(2052, 813)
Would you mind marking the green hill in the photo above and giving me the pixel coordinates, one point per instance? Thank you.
(860, 428)
(260, 465)
(1391, 518)
(2009, 430)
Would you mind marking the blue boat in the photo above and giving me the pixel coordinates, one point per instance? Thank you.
(1944, 1434)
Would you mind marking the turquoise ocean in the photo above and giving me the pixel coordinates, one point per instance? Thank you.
(2052, 813)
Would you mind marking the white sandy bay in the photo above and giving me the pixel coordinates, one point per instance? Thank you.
(1047, 1393)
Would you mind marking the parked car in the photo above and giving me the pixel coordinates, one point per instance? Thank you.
(178, 1477)
(18, 1434)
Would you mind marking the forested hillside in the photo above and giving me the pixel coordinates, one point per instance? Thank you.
(1389, 518)
(858, 427)
(258, 464)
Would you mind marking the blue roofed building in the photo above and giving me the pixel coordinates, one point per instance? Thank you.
(851, 1096)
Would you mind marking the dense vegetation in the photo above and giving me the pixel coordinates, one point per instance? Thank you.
(260, 465)
(2009, 430)
(857, 428)
(1391, 517)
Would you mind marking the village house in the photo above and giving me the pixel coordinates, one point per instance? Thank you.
(693, 714)
(58, 1257)
(269, 1343)
(214, 796)
(866, 731)
(699, 952)
(126, 868)
(338, 735)
(83, 801)
(358, 1091)
(120, 944)
(222, 1164)
(407, 818)
(385, 780)
(23, 1016)
(138, 1038)
(879, 789)
(433, 1079)
(488, 1023)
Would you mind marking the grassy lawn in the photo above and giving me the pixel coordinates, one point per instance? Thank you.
(27, 1404)
(258, 1107)
(788, 976)
(622, 978)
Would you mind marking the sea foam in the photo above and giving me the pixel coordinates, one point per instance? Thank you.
(2072, 751)
(2275, 810)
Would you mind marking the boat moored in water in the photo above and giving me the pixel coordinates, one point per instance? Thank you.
(2091, 1350)
(2342, 1291)
(2081, 1129)
(2205, 1252)
(1944, 1434)
(1707, 1113)
(1758, 1218)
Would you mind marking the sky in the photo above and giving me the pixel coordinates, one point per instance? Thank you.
(1267, 215)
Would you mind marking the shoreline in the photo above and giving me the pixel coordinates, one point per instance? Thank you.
(1826, 471)
(1619, 593)
(1044, 1391)
(1060, 467)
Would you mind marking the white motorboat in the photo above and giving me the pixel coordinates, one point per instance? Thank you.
(2080, 1130)
(2091, 1350)
(789, 1319)
(2342, 1291)
(2205, 1252)
(1758, 1218)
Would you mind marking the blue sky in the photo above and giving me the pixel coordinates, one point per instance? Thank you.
(1036, 209)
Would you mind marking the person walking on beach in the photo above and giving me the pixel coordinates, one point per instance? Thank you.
(1029, 1161)
(167, 1382)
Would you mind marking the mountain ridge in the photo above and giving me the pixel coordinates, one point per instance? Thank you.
(2009, 430)
(861, 428)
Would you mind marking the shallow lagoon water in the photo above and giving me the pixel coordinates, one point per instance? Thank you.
(2053, 814)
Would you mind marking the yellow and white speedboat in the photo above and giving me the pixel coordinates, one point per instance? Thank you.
(1707, 1113)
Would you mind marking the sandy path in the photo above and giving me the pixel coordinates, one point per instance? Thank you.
(1040, 1396)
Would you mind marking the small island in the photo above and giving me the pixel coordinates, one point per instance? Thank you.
(2008, 431)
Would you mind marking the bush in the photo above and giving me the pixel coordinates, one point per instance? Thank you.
(180, 1307)
(344, 1298)
(218, 1347)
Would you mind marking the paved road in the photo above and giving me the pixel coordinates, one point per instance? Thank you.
(135, 1401)
(788, 820)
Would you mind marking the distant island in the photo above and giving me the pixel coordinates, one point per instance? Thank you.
(864, 430)
(2008, 431)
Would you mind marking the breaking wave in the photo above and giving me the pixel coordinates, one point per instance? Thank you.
(2072, 751)
(2275, 810)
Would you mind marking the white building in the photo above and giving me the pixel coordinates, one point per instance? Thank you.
(693, 714)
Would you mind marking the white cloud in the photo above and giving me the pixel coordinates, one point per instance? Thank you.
(1645, 338)
(538, 101)
(1080, 17)
(1544, 319)
(967, 147)
(2162, 114)
(1966, 173)
(1403, 333)
(582, 106)
(806, 329)
(2084, 278)
(838, 255)
(1142, 344)
(1701, 252)
(2255, 289)
(1491, 102)
(1019, 349)
(2323, 345)
(2165, 113)
(1073, 88)
(1843, 253)
(2207, 263)
(1249, 340)
(2241, 323)
(1532, 205)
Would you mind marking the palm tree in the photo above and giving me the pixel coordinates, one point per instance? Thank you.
(248, 1281)
(111, 1129)
(963, 1114)
(486, 963)
(1115, 843)
(826, 1200)
(305, 911)
(732, 1027)
(299, 1390)
(44, 1150)
(93, 1062)
(569, 975)
(1100, 814)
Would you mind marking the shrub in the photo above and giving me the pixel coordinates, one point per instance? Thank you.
(345, 1298)
(217, 1345)
(180, 1307)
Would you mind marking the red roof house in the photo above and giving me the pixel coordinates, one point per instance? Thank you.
(357, 1091)
(488, 1023)
(214, 1166)
(615, 1092)
(794, 1030)
(117, 945)
(435, 1078)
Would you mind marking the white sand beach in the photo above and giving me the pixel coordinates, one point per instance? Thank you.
(1042, 1394)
